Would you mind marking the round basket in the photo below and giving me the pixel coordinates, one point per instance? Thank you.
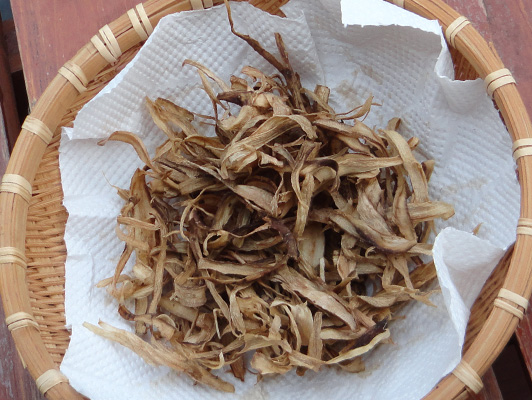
(32, 217)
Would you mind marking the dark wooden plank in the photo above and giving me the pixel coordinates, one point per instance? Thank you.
(7, 95)
(8, 382)
(524, 338)
(4, 147)
(13, 53)
(512, 375)
(50, 32)
(511, 24)
(7, 376)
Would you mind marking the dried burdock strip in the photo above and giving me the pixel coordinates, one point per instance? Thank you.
(295, 232)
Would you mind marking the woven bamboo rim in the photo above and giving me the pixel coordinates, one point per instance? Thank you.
(37, 228)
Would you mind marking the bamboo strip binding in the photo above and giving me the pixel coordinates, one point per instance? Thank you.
(17, 184)
(524, 226)
(522, 148)
(38, 128)
(140, 21)
(497, 79)
(12, 255)
(454, 29)
(109, 48)
(505, 294)
(144, 18)
(468, 376)
(20, 320)
(75, 75)
(49, 379)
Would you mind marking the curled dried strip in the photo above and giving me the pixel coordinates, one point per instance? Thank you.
(294, 233)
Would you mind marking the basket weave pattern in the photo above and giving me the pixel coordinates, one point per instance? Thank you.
(45, 246)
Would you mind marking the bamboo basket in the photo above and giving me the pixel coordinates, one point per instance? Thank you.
(32, 217)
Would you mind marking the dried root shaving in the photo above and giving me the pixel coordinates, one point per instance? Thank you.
(295, 233)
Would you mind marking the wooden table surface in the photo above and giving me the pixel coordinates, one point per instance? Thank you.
(51, 31)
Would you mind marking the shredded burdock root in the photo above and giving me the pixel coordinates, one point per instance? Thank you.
(294, 234)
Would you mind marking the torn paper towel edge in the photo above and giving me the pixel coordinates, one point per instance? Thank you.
(383, 13)
(386, 14)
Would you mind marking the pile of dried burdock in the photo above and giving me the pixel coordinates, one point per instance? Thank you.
(294, 233)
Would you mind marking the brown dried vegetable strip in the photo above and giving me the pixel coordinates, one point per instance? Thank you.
(293, 233)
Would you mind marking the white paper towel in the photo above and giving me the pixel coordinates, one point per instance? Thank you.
(399, 58)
